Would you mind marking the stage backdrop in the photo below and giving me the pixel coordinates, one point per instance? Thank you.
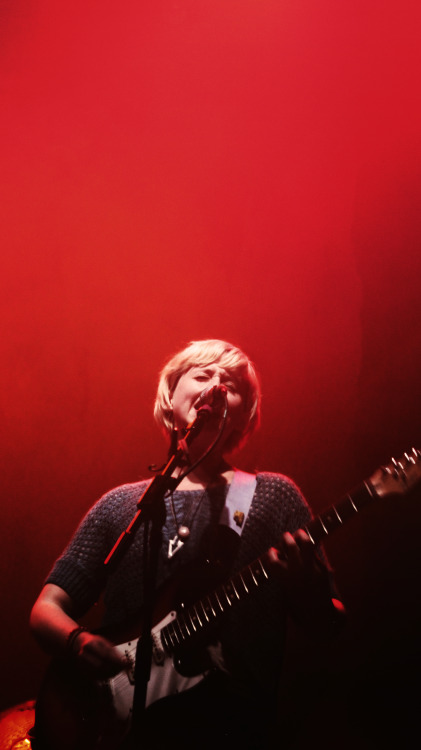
(240, 169)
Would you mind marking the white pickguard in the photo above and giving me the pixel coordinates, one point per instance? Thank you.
(164, 678)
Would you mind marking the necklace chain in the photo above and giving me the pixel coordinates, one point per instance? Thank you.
(183, 529)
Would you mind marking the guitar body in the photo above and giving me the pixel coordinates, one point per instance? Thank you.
(76, 713)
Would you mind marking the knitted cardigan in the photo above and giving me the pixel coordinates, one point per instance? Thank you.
(253, 636)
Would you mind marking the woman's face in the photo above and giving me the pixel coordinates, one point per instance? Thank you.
(192, 384)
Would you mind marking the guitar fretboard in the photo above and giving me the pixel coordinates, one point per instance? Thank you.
(204, 613)
(335, 516)
(198, 617)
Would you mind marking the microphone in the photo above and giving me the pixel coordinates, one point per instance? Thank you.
(214, 397)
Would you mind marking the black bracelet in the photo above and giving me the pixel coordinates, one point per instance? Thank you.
(73, 635)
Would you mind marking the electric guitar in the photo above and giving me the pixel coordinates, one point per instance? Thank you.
(77, 714)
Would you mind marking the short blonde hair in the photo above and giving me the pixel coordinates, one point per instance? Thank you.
(207, 352)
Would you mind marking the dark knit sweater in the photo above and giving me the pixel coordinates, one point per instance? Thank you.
(253, 640)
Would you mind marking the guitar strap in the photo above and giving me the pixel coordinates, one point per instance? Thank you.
(237, 504)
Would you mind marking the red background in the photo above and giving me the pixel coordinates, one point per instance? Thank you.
(240, 169)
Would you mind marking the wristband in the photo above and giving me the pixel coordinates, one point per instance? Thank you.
(73, 635)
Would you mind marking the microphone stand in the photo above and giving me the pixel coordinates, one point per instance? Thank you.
(151, 512)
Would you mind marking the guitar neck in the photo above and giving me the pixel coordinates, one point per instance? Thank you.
(199, 617)
(335, 516)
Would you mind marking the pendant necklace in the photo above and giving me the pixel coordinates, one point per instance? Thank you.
(183, 529)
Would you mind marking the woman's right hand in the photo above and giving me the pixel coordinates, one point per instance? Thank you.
(97, 657)
(53, 624)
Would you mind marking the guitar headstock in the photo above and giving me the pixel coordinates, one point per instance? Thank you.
(398, 477)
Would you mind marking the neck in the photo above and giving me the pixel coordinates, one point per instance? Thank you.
(208, 473)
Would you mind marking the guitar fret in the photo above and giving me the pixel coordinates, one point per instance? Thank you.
(266, 575)
(352, 503)
(231, 591)
(175, 638)
(208, 600)
(252, 575)
(219, 602)
(191, 620)
(349, 507)
(329, 520)
(318, 530)
(177, 631)
(212, 603)
(167, 640)
(256, 570)
(369, 489)
(167, 634)
(247, 579)
(183, 626)
(337, 514)
(307, 530)
(226, 592)
(197, 616)
(244, 583)
(323, 526)
(235, 589)
(204, 610)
